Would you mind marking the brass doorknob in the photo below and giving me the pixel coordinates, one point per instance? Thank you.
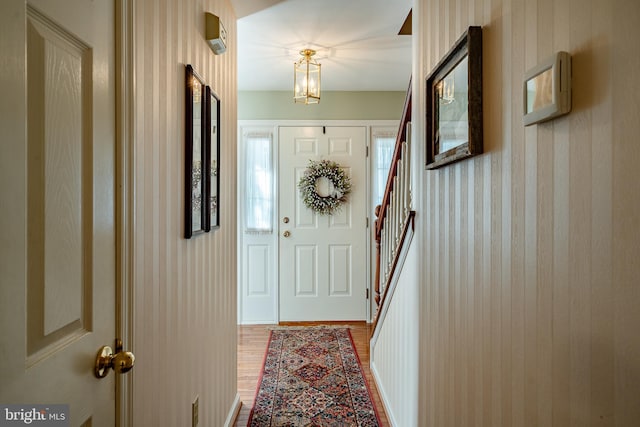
(286, 233)
(121, 362)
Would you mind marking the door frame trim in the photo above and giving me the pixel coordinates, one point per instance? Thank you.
(124, 195)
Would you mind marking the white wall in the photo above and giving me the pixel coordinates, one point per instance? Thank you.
(184, 290)
(529, 289)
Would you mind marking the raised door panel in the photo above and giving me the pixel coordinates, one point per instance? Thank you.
(59, 192)
(258, 256)
(340, 275)
(62, 275)
(306, 270)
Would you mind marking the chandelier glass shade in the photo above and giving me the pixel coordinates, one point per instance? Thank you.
(306, 79)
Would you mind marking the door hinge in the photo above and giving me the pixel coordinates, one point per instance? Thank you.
(367, 222)
(367, 151)
(367, 293)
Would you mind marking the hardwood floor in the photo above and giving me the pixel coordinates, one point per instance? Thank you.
(252, 344)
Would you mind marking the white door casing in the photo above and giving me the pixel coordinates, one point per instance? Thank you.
(59, 285)
(322, 262)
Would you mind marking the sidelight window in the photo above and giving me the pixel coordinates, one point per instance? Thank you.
(259, 179)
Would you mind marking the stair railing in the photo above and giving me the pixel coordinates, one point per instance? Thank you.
(394, 216)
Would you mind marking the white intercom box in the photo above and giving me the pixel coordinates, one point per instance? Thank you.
(547, 89)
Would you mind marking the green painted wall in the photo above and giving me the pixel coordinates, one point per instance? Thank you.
(338, 105)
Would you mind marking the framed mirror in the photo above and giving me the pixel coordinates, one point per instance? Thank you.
(454, 103)
(195, 219)
(213, 159)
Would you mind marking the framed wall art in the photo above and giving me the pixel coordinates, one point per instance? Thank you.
(195, 212)
(213, 160)
(454, 103)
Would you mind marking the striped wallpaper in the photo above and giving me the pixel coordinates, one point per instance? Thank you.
(185, 290)
(528, 254)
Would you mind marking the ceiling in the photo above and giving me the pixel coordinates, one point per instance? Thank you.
(357, 43)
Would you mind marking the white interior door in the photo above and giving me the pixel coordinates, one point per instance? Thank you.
(322, 258)
(58, 225)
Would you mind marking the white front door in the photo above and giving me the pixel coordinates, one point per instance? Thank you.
(322, 258)
(57, 268)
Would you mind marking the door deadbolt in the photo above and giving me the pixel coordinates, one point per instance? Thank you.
(285, 220)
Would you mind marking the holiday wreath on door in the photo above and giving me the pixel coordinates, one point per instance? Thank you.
(324, 187)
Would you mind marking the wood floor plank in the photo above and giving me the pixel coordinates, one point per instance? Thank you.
(252, 344)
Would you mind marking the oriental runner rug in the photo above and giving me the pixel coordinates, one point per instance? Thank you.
(312, 376)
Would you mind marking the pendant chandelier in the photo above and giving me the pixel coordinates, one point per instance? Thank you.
(306, 79)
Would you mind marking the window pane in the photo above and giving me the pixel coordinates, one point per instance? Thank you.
(384, 146)
(259, 183)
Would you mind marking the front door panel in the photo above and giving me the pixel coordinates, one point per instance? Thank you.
(322, 257)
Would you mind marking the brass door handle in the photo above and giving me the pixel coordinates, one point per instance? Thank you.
(121, 362)
(286, 233)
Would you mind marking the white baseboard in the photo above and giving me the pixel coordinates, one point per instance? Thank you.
(383, 394)
(233, 412)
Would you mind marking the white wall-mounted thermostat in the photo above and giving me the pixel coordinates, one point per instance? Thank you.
(215, 33)
(547, 89)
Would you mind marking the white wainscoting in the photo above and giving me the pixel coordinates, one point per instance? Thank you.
(394, 349)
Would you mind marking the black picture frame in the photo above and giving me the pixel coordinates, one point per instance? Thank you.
(454, 129)
(195, 211)
(213, 160)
